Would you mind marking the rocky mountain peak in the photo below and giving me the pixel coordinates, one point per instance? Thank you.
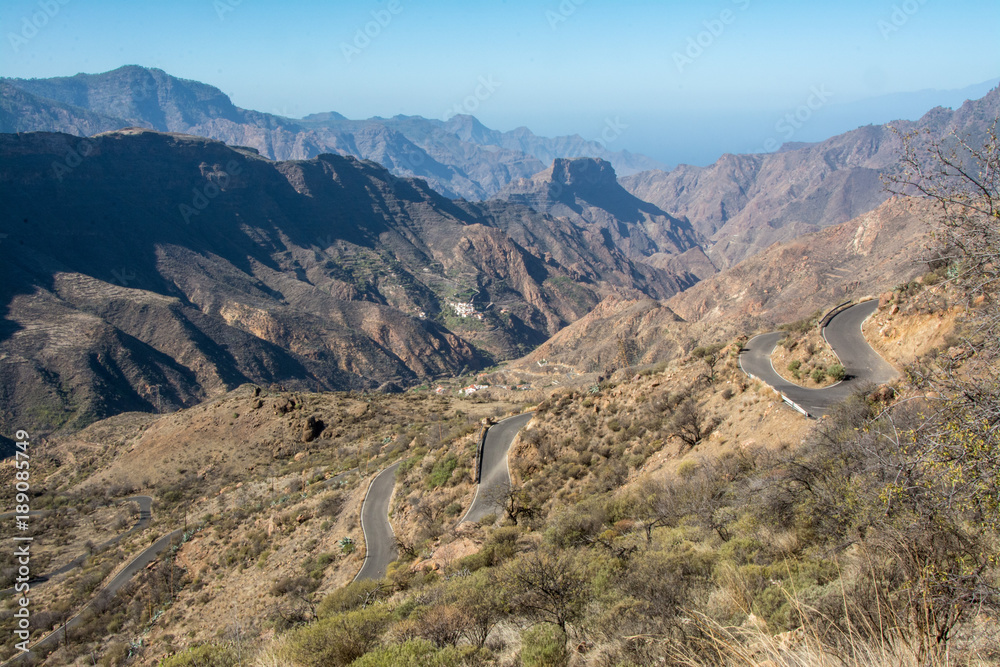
(584, 171)
(468, 128)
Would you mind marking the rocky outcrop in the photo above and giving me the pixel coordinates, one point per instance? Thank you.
(586, 192)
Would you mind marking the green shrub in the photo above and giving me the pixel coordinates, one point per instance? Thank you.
(352, 596)
(794, 365)
(441, 472)
(473, 562)
(803, 325)
(707, 351)
(501, 545)
(407, 465)
(419, 653)
(836, 371)
(544, 645)
(819, 375)
(339, 639)
(116, 654)
(577, 525)
(687, 468)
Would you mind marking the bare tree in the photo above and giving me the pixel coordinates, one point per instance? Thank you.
(405, 548)
(515, 502)
(550, 586)
(962, 179)
(485, 601)
(656, 506)
(690, 424)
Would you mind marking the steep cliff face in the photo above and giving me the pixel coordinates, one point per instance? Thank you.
(586, 192)
(146, 269)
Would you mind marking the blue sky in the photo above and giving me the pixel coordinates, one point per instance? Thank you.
(686, 80)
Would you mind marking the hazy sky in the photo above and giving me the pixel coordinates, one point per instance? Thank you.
(682, 81)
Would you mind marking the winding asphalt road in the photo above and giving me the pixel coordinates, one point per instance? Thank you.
(380, 540)
(51, 641)
(145, 516)
(147, 556)
(495, 472)
(861, 363)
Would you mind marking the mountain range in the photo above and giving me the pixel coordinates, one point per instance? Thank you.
(744, 203)
(149, 268)
(858, 259)
(459, 156)
(737, 206)
(146, 269)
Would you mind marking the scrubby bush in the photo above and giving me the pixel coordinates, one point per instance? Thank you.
(352, 596)
(420, 653)
(206, 655)
(441, 472)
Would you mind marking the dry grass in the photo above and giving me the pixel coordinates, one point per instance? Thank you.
(815, 644)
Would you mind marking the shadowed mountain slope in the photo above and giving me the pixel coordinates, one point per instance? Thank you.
(148, 271)
(586, 192)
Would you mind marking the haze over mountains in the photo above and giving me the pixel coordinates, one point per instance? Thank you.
(150, 269)
(744, 203)
(459, 157)
(739, 205)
